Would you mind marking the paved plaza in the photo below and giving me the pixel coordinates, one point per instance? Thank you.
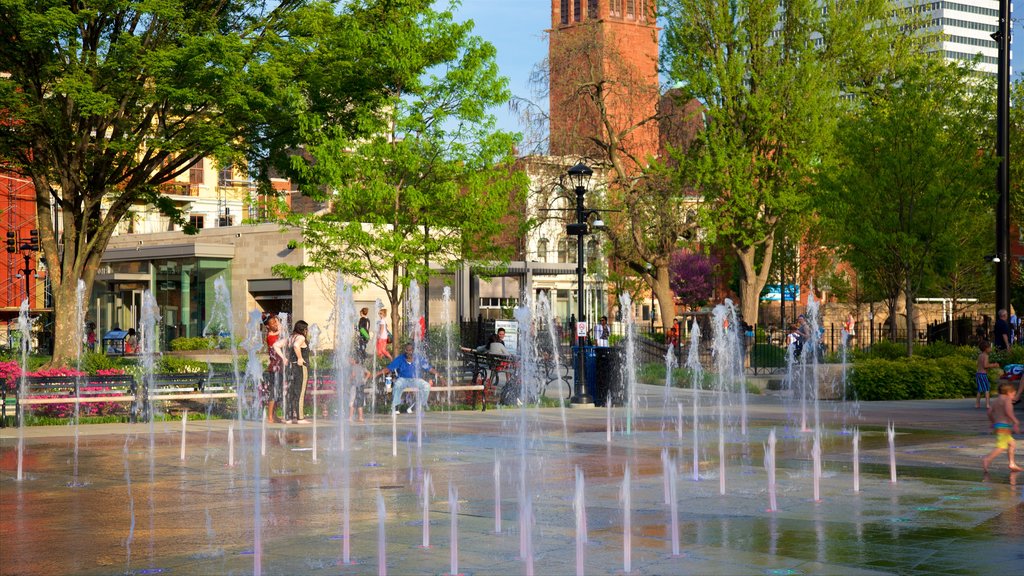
(135, 507)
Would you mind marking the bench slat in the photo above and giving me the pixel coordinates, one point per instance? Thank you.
(81, 400)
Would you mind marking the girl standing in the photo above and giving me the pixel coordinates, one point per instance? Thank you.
(299, 358)
(271, 386)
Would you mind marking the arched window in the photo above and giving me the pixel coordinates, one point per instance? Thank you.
(563, 250)
(572, 250)
(542, 250)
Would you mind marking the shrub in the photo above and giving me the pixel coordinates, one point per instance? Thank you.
(958, 377)
(173, 365)
(93, 362)
(912, 378)
(883, 350)
(1014, 355)
(935, 350)
(197, 343)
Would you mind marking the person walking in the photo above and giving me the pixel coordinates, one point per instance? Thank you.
(363, 333)
(383, 335)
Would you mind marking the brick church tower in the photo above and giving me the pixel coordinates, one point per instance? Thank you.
(603, 77)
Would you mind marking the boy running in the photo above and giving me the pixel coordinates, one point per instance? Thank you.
(1000, 413)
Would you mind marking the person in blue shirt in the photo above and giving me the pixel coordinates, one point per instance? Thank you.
(408, 370)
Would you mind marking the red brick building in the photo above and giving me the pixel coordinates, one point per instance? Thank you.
(609, 46)
(18, 215)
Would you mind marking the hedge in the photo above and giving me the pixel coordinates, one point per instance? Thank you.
(203, 343)
(913, 378)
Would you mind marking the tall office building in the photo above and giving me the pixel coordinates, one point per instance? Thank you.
(966, 27)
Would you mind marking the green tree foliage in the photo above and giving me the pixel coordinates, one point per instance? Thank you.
(770, 77)
(909, 178)
(433, 181)
(103, 102)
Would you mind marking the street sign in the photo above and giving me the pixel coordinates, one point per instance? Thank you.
(581, 329)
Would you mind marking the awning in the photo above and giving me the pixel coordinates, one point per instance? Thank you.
(169, 251)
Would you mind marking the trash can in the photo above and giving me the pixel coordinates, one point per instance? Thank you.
(608, 383)
(589, 368)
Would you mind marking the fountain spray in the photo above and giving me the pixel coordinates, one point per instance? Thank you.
(579, 505)
(80, 323)
(674, 508)
(453, 508)
(250, 404)
(724, 319)
(626, 303)
(382, 546)
(25, 327)
(497, 494)
(816, 456)
(891, 433)
(769, 465)
(856, 460)
(626, 497)
(696, 381)
(314, 345)
(344, 324)
(427, 490)
(184, 425)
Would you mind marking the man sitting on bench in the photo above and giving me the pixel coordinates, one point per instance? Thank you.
(407, 369)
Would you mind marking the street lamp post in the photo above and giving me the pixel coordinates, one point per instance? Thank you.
(1002, 38)
(580, 175)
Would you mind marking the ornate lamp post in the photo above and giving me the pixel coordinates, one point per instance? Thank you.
(580, 175)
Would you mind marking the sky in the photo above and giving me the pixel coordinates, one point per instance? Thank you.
(517, 30)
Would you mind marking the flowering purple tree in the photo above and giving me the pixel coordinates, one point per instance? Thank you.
(692, 277)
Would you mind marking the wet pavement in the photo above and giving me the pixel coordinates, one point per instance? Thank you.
(136, 507)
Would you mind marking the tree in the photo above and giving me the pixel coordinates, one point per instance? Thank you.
(693, 277)
(910, 177)
(770, 79)
(103, 104)
(434, 181)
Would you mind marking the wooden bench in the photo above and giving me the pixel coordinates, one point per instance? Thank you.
(46, 390)
(485, 371)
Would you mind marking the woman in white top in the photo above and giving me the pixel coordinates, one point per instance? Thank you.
(382, 335)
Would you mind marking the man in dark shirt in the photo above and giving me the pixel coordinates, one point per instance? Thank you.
(1002, 331)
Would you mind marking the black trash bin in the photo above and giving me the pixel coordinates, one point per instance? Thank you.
(589, 369)
(608, 383)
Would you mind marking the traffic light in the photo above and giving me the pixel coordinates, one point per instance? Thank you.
(11, 242)
(31, 244)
